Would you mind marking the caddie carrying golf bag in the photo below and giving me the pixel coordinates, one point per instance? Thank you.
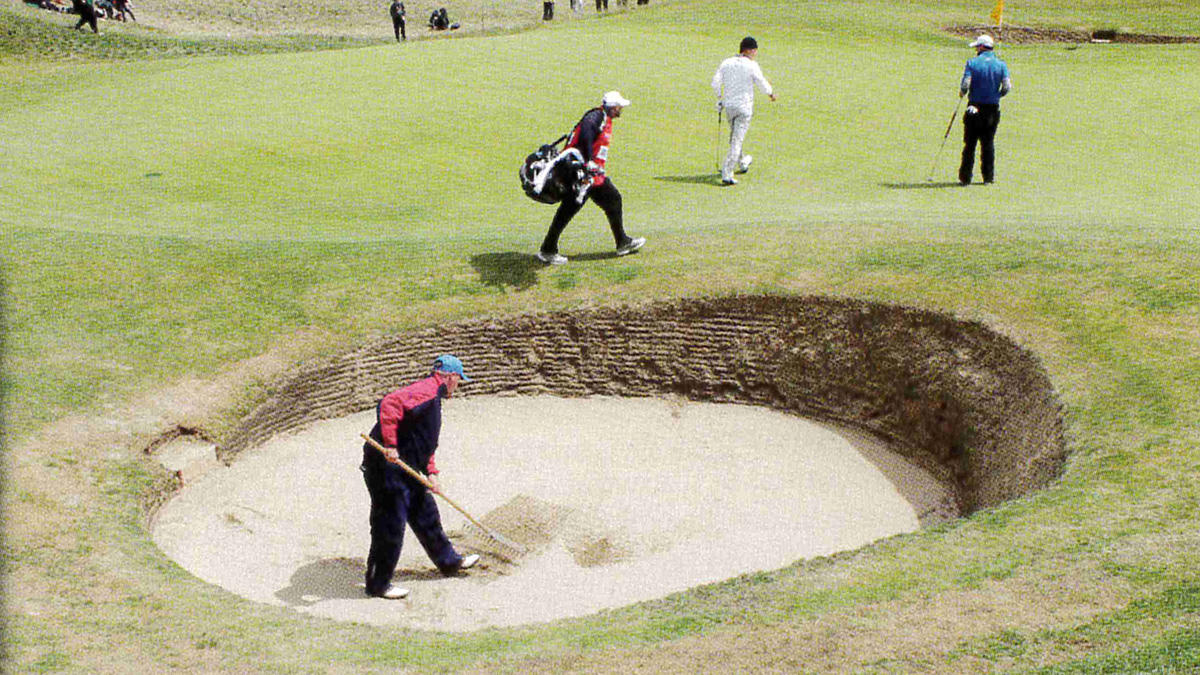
(549, 176)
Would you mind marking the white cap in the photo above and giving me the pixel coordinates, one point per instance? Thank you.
(614, 98)
(983, 41)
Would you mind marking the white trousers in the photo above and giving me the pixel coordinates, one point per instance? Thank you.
(739, 124)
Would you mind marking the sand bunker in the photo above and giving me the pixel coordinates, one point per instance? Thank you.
(619, 500)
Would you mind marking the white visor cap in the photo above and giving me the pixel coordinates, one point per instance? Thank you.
(983, 41)
(614, 98)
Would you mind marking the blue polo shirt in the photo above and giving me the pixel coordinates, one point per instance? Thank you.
(984, 76)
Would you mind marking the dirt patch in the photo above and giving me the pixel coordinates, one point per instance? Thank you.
(1031, 35)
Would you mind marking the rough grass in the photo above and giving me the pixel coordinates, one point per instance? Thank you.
(35, 39)
(176, 231)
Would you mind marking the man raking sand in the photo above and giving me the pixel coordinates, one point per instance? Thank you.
(408, 423)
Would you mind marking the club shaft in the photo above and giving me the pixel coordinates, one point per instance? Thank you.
(936, 157)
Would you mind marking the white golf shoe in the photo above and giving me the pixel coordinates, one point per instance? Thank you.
(394, 592)
(469, 561)
(633, 245)
(744, 165)
(552, 258)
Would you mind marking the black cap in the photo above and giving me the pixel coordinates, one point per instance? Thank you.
(748, 43)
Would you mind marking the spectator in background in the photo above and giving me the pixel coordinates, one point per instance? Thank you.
(87, 14)
(547, 10)
(440, 20)
(47, 5)
(397, 12)
(601, 5)
(124, 7)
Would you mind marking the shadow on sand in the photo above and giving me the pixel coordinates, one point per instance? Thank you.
(326, 579)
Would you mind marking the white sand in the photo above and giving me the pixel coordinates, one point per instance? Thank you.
(661, 495)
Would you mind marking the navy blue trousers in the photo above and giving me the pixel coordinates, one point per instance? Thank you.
(395, 502)
(979, 128)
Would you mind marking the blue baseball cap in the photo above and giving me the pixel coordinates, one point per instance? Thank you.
(449, 363)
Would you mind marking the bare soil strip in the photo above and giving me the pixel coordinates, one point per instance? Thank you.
(1030, 35)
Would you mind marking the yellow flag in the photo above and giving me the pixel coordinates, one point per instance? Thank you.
(998, 12)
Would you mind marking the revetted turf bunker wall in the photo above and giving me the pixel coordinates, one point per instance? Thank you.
(954, 395)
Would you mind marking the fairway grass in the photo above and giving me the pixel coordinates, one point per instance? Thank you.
(178, 231)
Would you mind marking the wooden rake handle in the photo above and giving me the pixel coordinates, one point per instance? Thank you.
(423, 481)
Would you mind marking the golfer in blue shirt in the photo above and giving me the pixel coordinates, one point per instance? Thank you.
(986, 79)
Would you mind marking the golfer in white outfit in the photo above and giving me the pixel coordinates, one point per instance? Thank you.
(733, 84)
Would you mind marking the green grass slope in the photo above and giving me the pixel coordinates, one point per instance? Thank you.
(166, 220)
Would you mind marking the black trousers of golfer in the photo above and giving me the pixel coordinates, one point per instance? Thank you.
(398, 26)
(396, 500)
(547, 11)
(979, 127)
(606, 196)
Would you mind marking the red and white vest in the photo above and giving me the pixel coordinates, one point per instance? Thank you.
(599, 146)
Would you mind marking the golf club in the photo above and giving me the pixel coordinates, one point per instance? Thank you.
(949, 126)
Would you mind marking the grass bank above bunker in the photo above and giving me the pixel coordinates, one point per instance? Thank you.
(955, 397)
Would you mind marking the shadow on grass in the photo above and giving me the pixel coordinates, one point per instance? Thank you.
(519, 270)
(327, 579)
(699, 179)
(507, 270)
(919, 186)
(589, 257)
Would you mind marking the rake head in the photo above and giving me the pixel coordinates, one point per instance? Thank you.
(494, 543)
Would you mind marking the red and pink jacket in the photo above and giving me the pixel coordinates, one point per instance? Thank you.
(410, 420)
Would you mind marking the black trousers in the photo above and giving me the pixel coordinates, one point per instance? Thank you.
(395, 502)
(547, 11)
(398, 26)
(606, 196)
(979, 127)
(601, 4)
(88, 16)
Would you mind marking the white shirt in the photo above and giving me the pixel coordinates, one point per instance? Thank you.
(738, 75)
